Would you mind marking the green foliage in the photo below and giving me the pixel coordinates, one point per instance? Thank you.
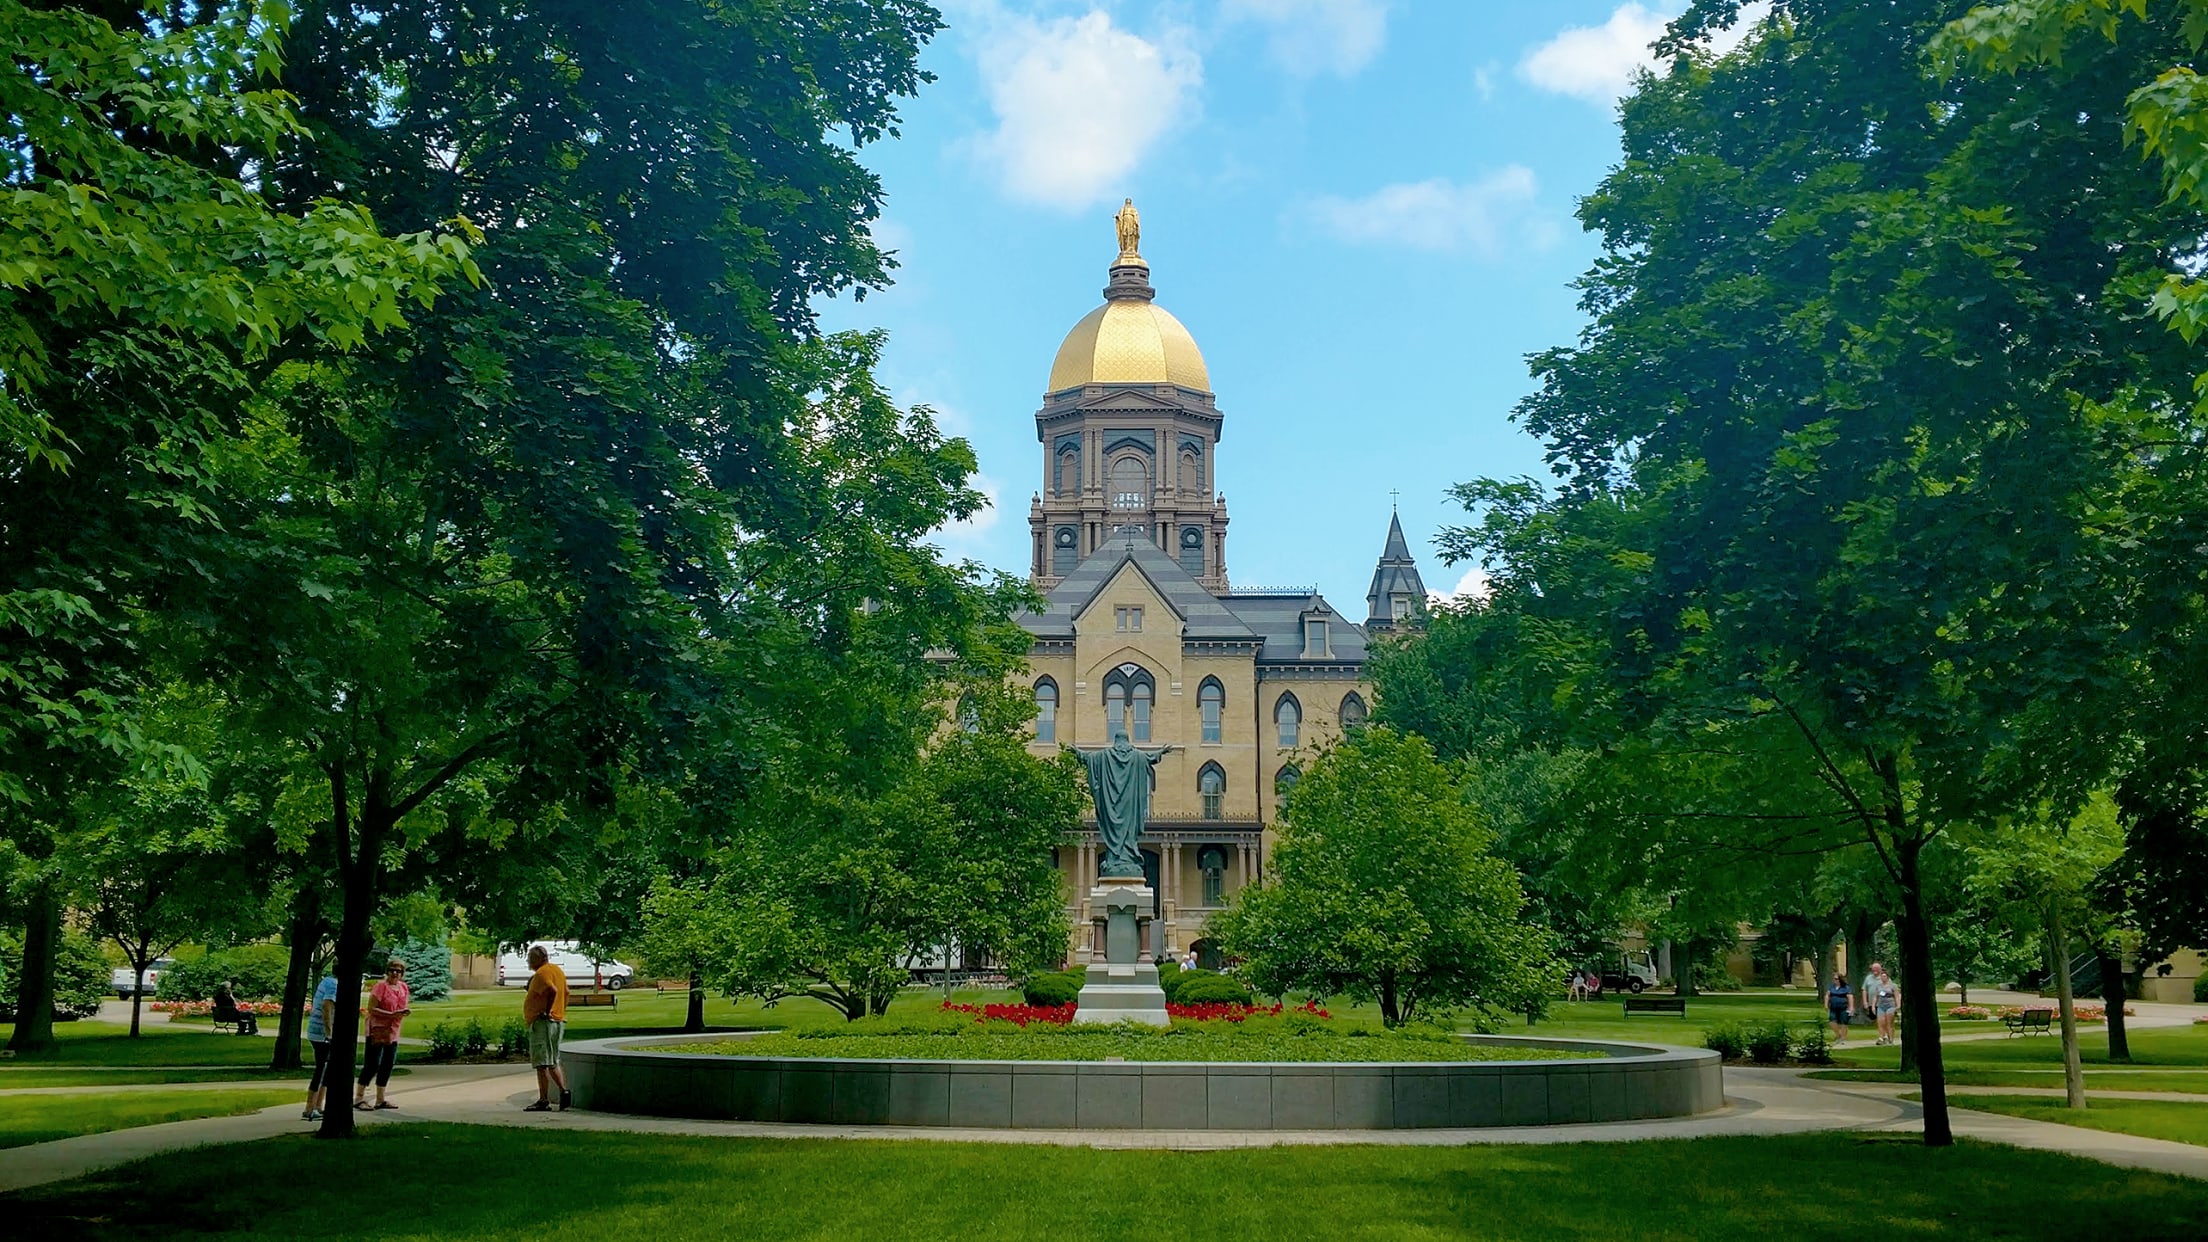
(513, 1037)
(444, 1041)
(428, 968)
(1385, 888)
(1768, 1043)
(1814, 1045)
(1054, 988)
(1728, 1040)
(257, 969)
(1206, 988)
(2200, 987)
(81, 976)
(1289, 1037)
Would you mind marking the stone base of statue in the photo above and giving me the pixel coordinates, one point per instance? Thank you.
(1123, 985)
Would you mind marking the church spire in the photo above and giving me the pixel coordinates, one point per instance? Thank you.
(1398, 594)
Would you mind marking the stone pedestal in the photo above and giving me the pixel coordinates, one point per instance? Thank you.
(1122, 984)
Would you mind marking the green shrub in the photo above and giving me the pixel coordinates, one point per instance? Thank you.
(1169, 975)
(428, 968)
(1210, 989)
(1769, 1043)
(1726, 1040)
(474, 1040)
(1052, 989)
(444, 1042)
(257, 969)
(1181, 979)
(1815, 1045)
(80, 976)
(513, 1038)
(2200, 988)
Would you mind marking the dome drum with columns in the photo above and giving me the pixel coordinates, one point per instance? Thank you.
(1140, 628)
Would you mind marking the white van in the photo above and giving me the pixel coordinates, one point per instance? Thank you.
(514, 971)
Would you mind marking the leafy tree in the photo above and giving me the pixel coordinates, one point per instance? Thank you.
(1385, 887)
(144, 282)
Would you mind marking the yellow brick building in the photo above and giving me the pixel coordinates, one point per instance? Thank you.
(1141, 628)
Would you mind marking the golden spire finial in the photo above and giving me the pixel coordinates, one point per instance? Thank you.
(1130, 235)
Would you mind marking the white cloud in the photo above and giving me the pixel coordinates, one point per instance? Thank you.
(968, 538)
(1483, 81)
(1596, 63)
(1479, 217)
(1474, 585)
(1079, 102)
(1310, 37)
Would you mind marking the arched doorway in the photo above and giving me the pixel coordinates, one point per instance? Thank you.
(1208, 956)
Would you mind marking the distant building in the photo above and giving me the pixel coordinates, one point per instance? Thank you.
(1142, 630)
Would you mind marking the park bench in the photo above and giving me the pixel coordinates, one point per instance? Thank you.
(661, 987)
(1655, 1004)
(586, 1000)
(2029, 1021)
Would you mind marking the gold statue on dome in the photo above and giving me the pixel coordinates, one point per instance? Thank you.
(1130, 233)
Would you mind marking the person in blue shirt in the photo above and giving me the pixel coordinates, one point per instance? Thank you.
(1837, 1007)
(321, 1017)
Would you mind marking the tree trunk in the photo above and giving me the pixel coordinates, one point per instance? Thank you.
(138, 965)
(1921, 1020)
(306, 929)
(1389, 1016)
(2058, 945)
(359, 873)
(2112, 996)
(694, 1021)
(34, 991)
(1682, 968)
(1827, 954)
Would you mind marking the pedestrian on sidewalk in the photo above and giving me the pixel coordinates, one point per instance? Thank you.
(321, 1018)
(1838, 1003)
(544, 1008)
(388, 1004)
(1885, 999)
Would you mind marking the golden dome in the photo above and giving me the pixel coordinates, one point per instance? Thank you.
(1129, 341)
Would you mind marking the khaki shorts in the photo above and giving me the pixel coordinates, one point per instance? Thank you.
(544, 1043)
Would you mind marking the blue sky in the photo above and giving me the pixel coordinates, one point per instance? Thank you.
(1362, 210)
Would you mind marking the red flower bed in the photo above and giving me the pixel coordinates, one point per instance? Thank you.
(1219, 1012)
(1017, 1015)
(200, 1008)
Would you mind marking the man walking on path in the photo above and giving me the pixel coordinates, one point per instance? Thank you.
(544, 1008)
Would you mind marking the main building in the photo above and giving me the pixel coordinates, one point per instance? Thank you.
(1141, 629)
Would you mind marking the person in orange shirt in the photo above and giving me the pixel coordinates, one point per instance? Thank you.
(544, 1008)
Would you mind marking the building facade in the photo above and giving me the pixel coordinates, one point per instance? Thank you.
(1142, 630)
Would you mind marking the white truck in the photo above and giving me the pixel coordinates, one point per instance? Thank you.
(581, 971)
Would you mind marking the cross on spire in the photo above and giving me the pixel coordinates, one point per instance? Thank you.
(1392, 495)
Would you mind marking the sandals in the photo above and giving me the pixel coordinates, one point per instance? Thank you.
(385, 1104)
(541, 1106)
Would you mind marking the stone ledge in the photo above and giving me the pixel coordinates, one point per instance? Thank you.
(1630, 1082)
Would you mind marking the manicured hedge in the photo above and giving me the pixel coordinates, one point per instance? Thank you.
(1202, 987)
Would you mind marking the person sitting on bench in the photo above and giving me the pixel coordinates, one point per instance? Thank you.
(227, 1009)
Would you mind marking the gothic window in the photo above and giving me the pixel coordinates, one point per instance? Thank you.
(1046, 710)
(1211, 700)
(1288, 714)
(1130, 484)
(1212, 862)
(1128, 693)
(1069, 472)
(1063, 553)
(1192, 549)
(1192, 472)
(1283, 782)
(1212, 784)
(1353, 710)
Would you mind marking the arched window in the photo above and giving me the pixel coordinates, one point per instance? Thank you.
(1046, 710)
(1212, 784)
(1283, 782)
(1353, 711)
(1211, 701)
(1069, 471)
(1129, 691)
(1130, 484)
(1288, 714)
(1212, 862)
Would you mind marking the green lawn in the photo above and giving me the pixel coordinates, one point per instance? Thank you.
(2163, 1119)
(481, 1182)
(10, 1078)
(110, 1043)
(41, 1118)
(2179, 1046)
(1605, 1019)
(2095, 1079)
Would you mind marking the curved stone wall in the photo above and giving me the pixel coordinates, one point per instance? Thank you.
(1630, 1082)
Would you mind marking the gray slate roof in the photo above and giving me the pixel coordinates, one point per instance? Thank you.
(1276, 618)
(1396, 574)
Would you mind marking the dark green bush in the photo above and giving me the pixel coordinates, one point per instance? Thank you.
(2200, 988)
(1180, 979)
(1206, 988)
(1169, 974)
(1726, 1040)
(513, 1038)
(444, 1042)
(1815, 1045)
(80, 976)
(1768, 1043)
(475, 1041)
(428, 968)
(258, 970)
(1052, 989)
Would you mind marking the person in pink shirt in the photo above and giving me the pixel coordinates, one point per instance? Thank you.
(388, 1003)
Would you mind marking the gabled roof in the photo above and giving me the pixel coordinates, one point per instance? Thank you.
(1202, 614)
(1396, 574)
(1277, 617)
